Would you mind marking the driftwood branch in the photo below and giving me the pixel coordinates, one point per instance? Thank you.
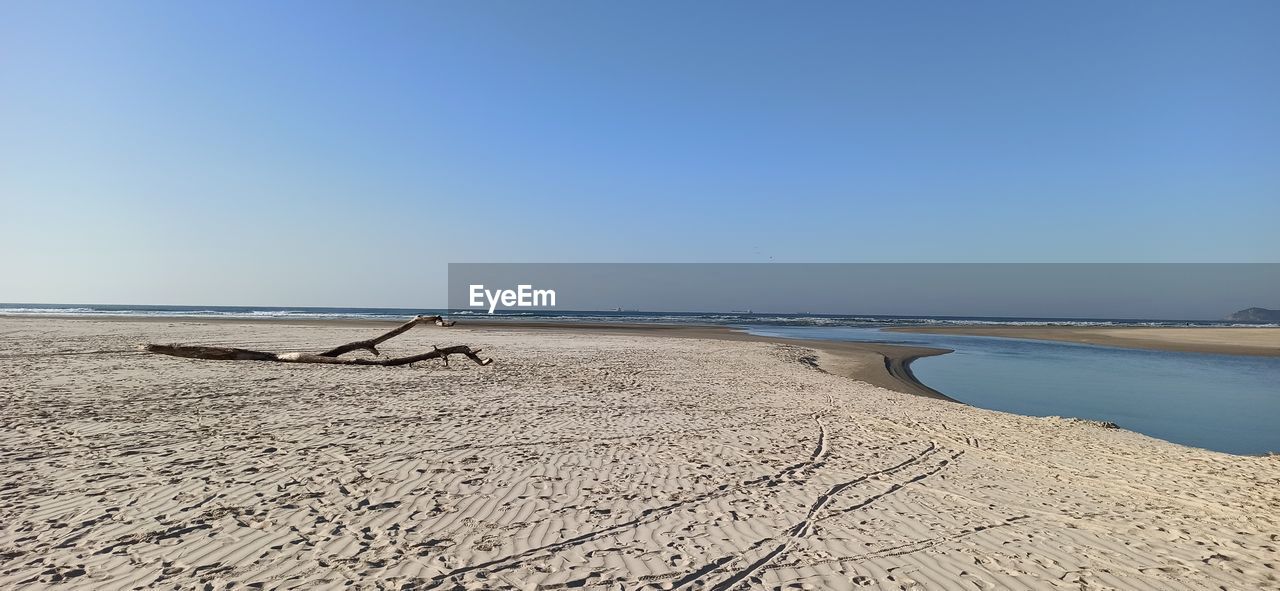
(332, 355)
(371, 344)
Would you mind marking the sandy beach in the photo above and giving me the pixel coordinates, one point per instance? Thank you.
(1227, 341)
(599, 459)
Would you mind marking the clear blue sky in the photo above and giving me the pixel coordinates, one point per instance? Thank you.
(323, 153)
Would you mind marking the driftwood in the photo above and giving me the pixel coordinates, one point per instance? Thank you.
(332, 355)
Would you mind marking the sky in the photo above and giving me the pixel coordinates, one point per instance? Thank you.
(342, 153)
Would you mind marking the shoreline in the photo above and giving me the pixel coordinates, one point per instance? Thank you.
(1263, 342)
(884, 365)
(879, 364)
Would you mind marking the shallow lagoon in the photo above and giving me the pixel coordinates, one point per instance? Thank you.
(1228, 403)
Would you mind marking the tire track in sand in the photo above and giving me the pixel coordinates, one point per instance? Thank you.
(820, 452)
(802, 529)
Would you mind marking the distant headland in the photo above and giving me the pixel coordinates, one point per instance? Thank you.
(1255, 315)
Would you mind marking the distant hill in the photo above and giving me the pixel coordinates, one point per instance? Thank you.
(1255, 315)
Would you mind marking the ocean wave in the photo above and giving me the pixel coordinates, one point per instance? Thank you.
(38, 311)
(727, 319)
(247, 314)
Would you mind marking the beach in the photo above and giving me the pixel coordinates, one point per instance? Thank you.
(600, 458)
(1223, 340)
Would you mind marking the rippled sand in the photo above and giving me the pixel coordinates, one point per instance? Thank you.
(597, 461)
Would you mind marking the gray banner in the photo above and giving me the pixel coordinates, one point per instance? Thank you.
(1134, 291)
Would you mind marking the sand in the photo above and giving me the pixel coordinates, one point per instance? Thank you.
(579, 459)
(1228, 341)
(880, 364)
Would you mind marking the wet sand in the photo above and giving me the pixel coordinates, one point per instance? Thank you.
(1221, 340)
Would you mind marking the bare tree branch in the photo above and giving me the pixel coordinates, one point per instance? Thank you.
(216, 353)
(331, 356)
(371, 344)
(436, 353)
